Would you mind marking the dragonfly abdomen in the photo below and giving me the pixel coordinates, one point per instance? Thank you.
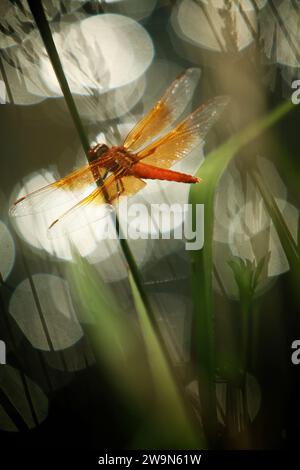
(142, 170)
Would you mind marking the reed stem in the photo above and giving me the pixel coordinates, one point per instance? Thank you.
(38, 13)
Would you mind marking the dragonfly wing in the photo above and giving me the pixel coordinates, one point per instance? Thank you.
(65, 190)
(179, 142)
(96, 205)
(167, 110)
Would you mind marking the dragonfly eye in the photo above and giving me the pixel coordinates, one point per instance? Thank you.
(101, 150)
(97, 151)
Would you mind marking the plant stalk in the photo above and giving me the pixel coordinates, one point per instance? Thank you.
(38, 13)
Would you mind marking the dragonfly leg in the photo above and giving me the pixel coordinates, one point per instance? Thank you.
(120, 189)
(120, 186)
(105, 175)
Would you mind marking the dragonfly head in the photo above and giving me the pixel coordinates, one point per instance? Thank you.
(97, 151)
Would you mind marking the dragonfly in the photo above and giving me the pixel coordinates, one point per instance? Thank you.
(151, 148)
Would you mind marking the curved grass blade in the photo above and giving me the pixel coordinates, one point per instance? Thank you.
(171, 415)
(202, 261)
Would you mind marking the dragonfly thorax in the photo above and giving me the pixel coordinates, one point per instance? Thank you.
(121, 158)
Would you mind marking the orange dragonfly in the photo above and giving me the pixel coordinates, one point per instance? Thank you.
(146, 153)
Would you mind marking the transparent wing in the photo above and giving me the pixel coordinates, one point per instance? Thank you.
(179, 142)
(67, 189)
(96, 205)
(165, 112)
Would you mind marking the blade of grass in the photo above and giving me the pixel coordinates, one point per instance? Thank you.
(134, 365)
(132, 362)
(170, 414)
(202, 262)
(111, 332)
(288, 243)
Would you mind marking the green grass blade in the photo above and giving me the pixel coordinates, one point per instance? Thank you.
(134, 363)
(202, 261)
(111, 331)
(170, 415)
(286, 238)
